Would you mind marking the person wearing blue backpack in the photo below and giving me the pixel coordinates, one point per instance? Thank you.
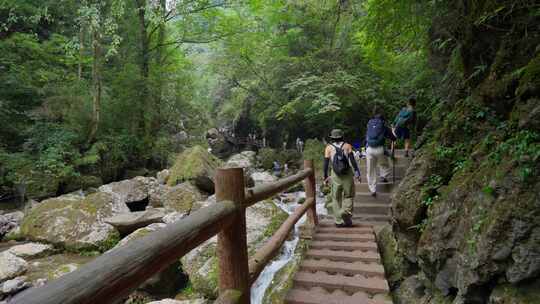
(340, 154)
(376, 135)
(405, 120)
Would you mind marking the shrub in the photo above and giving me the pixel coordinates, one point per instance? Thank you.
(314, 149)
(267, 156)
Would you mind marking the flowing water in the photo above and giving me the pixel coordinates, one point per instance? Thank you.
(287, 252)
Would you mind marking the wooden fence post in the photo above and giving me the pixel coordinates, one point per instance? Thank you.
(309, 186)
(232, 242)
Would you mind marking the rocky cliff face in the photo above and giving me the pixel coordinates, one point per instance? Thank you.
(467, 216)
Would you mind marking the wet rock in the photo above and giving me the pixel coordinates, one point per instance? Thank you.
(197, 166)
(262, 178)
(129, 222)
(11, 266)
(31, 250)
(73, 221)
(15, 285)
(163, 176)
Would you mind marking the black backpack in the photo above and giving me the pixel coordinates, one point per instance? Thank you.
(340, 163)
(375, 132)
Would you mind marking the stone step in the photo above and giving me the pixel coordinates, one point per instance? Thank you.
(333, 245)
(365, 217)
(371, 208)
(350, 284)
(344, 256)
(345, 230)
(321, 296)
(344, 237)
(381, 187)
(344, 268)
(366, 197)
(327, 221)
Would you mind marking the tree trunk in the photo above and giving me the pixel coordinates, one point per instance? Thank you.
(81, 52)
(96, 83)
(144, 62)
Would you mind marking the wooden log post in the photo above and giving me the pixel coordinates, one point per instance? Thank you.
(232, 240)
(309, 186)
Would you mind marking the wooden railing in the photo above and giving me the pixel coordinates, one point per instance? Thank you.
(115, 274)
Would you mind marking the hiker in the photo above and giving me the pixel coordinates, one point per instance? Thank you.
(405, 120)
(285, 169)
(341, 155)
(376, 134)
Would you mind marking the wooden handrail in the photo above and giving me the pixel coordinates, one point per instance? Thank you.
(265, 191)
(116, 273)
(269, 250)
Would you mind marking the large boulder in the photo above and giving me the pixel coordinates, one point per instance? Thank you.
(128, 222)
(180, 198)
(263, 178)
(31, 250)
(74, 222)
(132, 191)
(197, 166)
(220, 145)
(11, 266)
(245, 159)
(9, 222)
(166, 283)
(14, 286)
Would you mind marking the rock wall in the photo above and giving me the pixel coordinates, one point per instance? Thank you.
(467, 215)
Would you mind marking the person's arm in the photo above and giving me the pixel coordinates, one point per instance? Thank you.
(389, 134)
(354, 164)
(326, 162)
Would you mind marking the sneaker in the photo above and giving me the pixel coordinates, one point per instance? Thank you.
(374, 194)
(384, 180)
(341, 225)
(348, 222)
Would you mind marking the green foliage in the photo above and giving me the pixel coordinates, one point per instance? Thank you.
(267, 156)
(314, 149)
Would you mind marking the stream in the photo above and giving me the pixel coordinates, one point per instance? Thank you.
(260, 286)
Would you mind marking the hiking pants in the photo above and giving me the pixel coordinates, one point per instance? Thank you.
(376, 160)
(342, 196)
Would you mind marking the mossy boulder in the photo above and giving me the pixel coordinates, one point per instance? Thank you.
(180, 198)
(197, 166)
(72, 221)
(201, 264)
(166, 283)
(516, 294)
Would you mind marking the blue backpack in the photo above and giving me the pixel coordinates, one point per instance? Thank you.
(375, 132)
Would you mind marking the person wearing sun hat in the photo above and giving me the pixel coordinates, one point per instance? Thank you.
(340, 154)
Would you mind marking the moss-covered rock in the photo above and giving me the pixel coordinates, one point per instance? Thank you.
(73, 222)
(201, 264)
(181, 198)
(511, 294)
(168, 282)
(195, 165)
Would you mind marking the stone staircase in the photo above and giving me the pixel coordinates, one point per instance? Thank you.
(343, 265)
